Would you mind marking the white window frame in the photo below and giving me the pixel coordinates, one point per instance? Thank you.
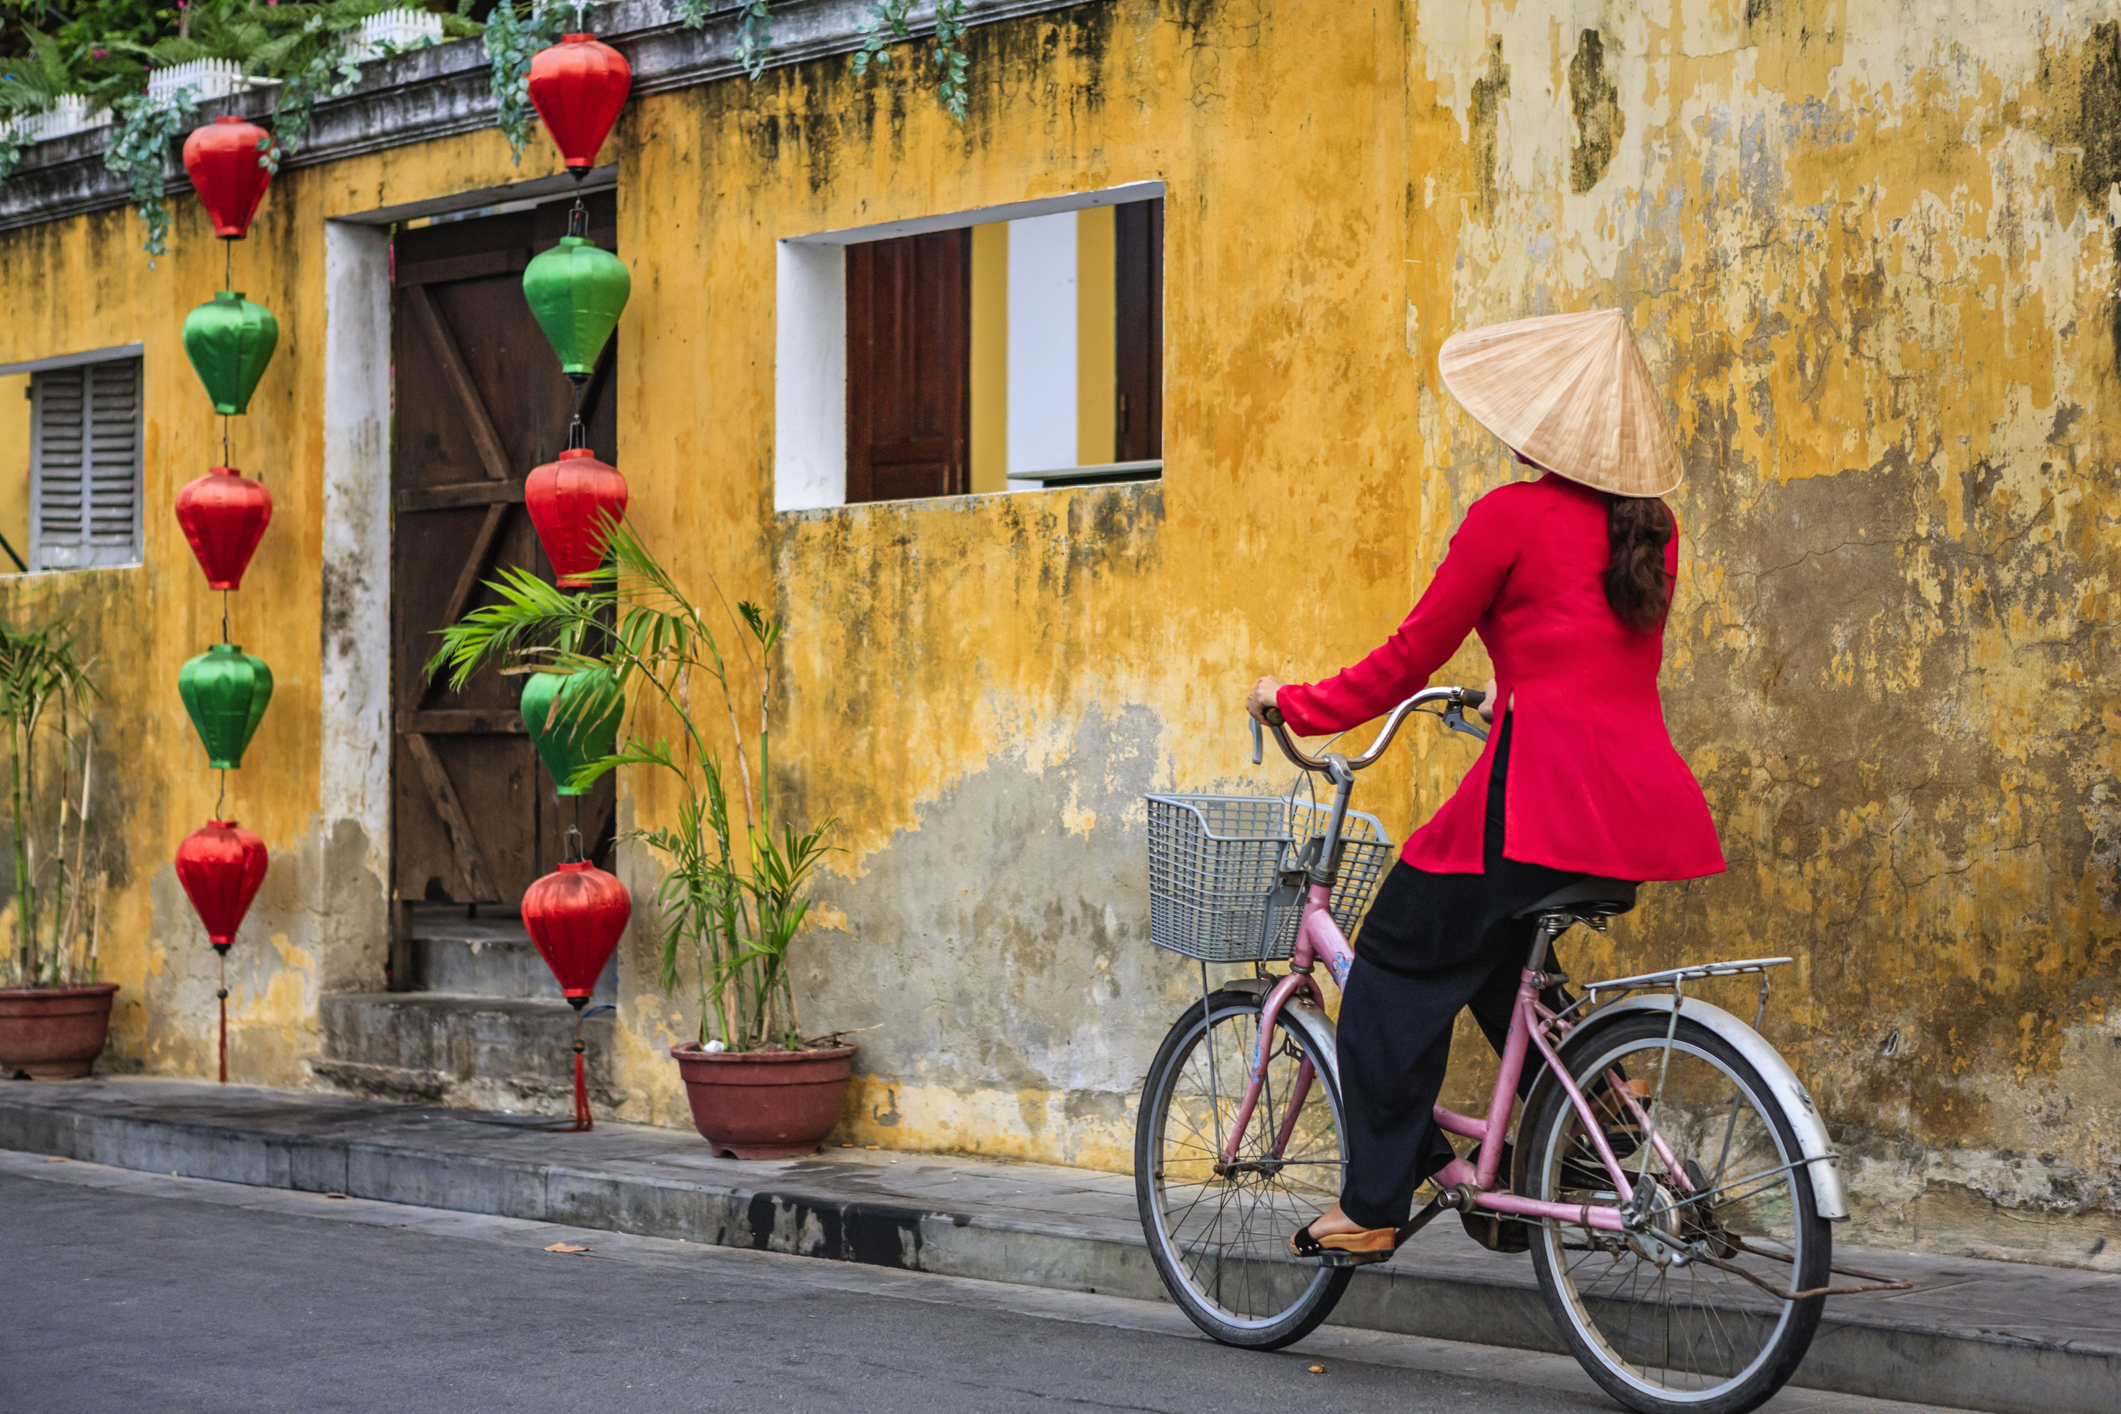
(810, 339)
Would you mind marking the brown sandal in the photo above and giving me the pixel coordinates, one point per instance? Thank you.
(1345, 1249)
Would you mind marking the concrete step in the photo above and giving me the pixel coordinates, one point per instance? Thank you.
(486, 954)
(1971, 1335)
(513, 1054)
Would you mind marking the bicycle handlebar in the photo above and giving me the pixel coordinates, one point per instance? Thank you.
(1458, 700)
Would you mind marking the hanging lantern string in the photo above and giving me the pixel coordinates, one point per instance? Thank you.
(221, 802)
(574, 835)
(222, 995)
(224, 616)
(228, 265)
(577, 434)
(224, 440)
(578, 220)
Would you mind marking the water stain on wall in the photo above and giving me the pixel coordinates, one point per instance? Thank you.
(1489, 92)
(1596, 105)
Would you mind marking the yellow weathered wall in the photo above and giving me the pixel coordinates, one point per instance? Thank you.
(1869, 254)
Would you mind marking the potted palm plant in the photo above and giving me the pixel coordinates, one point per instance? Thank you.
(734, 894)
(55, 1016)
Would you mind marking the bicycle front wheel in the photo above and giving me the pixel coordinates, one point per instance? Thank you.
(1219, 1229)
(1684, 1313)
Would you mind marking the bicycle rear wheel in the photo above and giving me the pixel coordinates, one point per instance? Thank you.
(1219, 1232)
(1680, 1316)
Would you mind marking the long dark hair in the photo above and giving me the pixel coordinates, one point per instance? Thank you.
(1636, 585)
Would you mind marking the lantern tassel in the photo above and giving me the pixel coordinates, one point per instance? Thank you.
(582, 1118)
(223, 996)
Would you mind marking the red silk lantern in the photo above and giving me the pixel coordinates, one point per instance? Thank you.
(223, 160)
(578, 87)
(224, 516)
(574, 502)
(221, 867)
(575, 916)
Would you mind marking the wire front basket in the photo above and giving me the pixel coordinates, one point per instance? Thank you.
(1215, 863)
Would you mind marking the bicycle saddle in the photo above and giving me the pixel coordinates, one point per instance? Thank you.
(1590, 896)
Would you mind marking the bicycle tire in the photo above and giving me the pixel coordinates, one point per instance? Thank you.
(1592, 1323)
(1214, 1284)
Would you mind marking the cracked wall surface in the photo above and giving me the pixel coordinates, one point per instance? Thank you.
(1870, 250)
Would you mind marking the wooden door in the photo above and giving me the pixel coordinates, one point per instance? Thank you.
(480, 401)
(1138, 304)
(909, 366)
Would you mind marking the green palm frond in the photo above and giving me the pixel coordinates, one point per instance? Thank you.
(733, 898)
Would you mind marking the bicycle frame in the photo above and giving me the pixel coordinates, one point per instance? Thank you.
(1318, 938)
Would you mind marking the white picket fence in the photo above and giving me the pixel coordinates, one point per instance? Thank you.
(207, 79)
(70, 114)
(395, 31)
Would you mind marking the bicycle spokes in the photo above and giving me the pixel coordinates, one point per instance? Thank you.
(1684, 1303)
(1222, 1214)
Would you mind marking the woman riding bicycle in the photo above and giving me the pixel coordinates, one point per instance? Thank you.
(1567, 580)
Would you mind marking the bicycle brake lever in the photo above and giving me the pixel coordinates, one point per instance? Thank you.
(1454, 717)
(1259, 743)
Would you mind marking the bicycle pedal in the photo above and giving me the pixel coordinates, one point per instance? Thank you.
(1330, 1258)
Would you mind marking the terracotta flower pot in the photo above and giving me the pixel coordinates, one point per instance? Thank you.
(764, 1104)
(53, 1033)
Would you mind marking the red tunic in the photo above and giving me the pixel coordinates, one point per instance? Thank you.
(1594, 783)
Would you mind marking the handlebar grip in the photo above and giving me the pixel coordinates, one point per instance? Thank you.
(1275, 718)
(1474, 697)
(1259, 742)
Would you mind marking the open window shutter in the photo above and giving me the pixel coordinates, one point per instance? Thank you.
(85, 461)
(909, 366)
(1138, 363)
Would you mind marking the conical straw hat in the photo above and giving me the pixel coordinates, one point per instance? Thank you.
(1571, 392)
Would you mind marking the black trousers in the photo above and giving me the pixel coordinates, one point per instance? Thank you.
(1432, 945)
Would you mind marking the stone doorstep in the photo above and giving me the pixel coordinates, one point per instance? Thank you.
(1972, 1334)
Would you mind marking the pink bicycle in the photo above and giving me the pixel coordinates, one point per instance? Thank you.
(1670, 1176)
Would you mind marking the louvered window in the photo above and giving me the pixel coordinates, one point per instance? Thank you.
(85, 466)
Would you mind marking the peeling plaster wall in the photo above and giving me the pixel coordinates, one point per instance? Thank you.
(1871, 252)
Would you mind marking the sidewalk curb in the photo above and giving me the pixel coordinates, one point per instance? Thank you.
(1860, 1349)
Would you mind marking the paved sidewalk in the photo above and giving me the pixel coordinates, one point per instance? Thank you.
(1972, 1334)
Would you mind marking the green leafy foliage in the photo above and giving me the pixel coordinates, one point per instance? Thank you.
(48, 66)
(139, 145)
(754, 36)
(890, 21)
(514, 35)
(42, 678)
(734, 896)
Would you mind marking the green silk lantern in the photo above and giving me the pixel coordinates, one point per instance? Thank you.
(225, 690)
(230, 340)
(577, 292)
(573, 719)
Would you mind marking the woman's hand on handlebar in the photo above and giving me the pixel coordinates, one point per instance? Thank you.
(1262, 698)
(1488, 707)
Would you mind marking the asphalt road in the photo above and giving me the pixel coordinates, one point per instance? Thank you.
(153, 1295)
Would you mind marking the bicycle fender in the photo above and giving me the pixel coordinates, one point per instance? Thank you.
(1789, 1091)
(1318, 1029)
